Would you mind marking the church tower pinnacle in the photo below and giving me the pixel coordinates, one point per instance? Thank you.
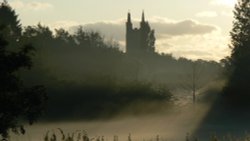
(129, 18)
(142, 17)
(129, 23)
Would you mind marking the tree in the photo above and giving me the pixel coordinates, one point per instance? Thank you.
(9, 19)
(237, 91)
(151, 41)
(195, 82)
(17, 102)
(89, 39)
(198, 77)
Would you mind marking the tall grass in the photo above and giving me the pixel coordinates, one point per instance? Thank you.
(81, 135)
(60, 135)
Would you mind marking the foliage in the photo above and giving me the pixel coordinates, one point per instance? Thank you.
(237, 92)
(17, 102)
(81, 135)
(103, 101)
(9, 20)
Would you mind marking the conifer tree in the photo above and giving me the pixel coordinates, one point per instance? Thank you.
(237, 91)
(9, 19)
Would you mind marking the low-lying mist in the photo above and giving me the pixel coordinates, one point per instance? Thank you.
(172, 122)
(170, 125)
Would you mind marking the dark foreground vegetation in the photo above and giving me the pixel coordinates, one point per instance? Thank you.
(230, 112)
(60, 135)
(92, 102)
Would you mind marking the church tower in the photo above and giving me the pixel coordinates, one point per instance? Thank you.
(139, 40)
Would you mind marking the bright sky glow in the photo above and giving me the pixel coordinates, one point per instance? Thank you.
(230, 3)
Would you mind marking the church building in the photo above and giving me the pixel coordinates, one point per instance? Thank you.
(139, 40)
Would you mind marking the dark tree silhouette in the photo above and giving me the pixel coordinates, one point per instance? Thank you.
(62, 36)
(237, 91)
(17, 102)
(9, 19)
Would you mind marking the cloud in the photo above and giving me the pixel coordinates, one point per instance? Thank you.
(64, 24)
(113, 29)
(213, 46)
(207, 14)
(185, 27)
(30, 5)
(164, 28)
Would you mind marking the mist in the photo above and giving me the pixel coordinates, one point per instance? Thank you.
(174, 125)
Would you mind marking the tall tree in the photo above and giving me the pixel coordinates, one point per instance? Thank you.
(17, 102)
(9, 19)
(237, 91)
(151, 41)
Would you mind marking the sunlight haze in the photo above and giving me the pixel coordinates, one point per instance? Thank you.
(116, 70)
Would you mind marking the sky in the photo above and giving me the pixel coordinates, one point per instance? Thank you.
(195, 29)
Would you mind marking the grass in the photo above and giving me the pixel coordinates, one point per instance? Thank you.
(75, 136)
(79, 135)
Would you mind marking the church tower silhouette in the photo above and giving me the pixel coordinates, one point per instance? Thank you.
(139, 40)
